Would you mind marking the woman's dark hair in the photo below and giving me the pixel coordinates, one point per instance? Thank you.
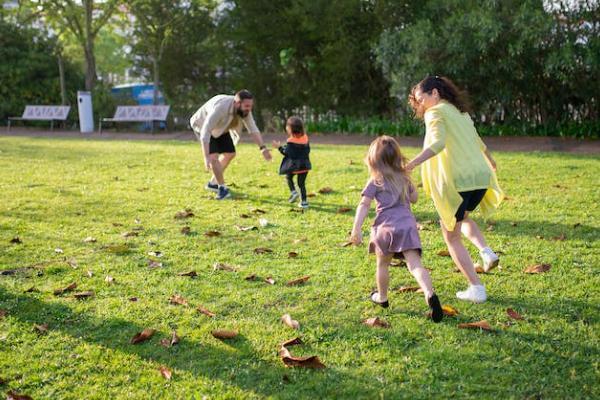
(296, 125)
(447, 91)
(244, 95)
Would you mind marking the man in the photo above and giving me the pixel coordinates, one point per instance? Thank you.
(217, 125)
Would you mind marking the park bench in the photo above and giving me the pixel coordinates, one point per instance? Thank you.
(42, 113)
(138, 114)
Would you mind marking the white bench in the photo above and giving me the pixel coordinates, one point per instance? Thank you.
(42, 113)
(138, 114)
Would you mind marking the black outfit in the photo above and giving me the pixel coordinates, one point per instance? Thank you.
(222, 144)
(471, 200)
(295, 162)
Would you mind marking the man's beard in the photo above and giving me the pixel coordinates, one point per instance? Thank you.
(242, 113)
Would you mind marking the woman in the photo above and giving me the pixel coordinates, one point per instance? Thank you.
(458, 172)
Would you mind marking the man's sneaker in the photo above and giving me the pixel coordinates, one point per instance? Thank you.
(223, 193)
(293, 196)
(490, 259)
(213, 187)
(475, 293)
(303, 204)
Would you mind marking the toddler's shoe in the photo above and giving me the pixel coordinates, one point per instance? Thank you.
(293, 197)
(436, 308)
(474, 293)
(490, 259)
(303, 204)
(375, 299)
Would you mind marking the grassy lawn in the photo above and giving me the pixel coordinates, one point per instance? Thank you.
(56, 193)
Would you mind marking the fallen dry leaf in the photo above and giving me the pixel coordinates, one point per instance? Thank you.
(513, 224)
(166, 342)
(560, 238)
(89, 239)
(3, 313)
(347, 244)
(224, 334)
(58, 292)
(443, 253)
(259, 211)
(262, 250)
(72, 262)
(376, 322)
(155, 253)
(246, 228)
(449, 310)
(343, 210)
(325, 190)
(186, 230)
(291, 361)
(191, 274)
(576, 225)
(83, 295)
(489, 228)
(244, 216)
(403, 289)
(252, 277)
(109, 279)
(154, 264)
(16, 240)
(300, 240)
(205, 311)
(177, 299)
(513, 314)
(223, 267)
(297, 210)
(17, 396)
(165, 372)
(422, 227)
(143, 336)
(287, 319)
(270, 280)
(41, 329)
(117, 224)
(212, 233)
(133, 299)
(187, 213)
(292, 254)
(537, 269)
(31, 290)
(90, 273)
(129, 234)
(298, 281)
(484, 325)
(311, 194)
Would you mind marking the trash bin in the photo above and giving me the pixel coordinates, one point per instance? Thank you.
(86, 114)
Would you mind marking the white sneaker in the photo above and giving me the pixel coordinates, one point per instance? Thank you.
(490, 259)
(474, 293)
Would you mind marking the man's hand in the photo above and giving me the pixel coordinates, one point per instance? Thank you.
(207, 165)
(276, 144)
(266, 154)
(356, 238)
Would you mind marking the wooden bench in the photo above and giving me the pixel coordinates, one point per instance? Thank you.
(138, 114)
(42, 113)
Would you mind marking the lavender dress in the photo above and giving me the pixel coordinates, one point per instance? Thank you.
(395, 228)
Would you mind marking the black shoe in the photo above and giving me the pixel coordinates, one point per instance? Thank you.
(223, 193)
(384, 304)
(436, 308)
(213, 187)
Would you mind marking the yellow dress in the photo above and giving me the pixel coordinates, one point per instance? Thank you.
(459, 164)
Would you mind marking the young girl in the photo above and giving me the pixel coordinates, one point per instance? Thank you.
(394, 232)
(458, 173)
(295, 160)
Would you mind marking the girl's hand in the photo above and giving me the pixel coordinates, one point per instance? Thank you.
(276, 143)
(356, 238)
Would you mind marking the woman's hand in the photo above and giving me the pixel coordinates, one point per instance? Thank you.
(410, 166)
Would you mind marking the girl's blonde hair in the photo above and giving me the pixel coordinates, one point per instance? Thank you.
(387, 165)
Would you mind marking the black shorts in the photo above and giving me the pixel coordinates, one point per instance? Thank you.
(471, 200)
(222, 144)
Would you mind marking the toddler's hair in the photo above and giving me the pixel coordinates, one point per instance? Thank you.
(447, 91)
(387, 165)
(296, 125)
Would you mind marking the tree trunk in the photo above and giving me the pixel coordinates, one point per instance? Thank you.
(155, 66)
(90, 60)
(61, 76)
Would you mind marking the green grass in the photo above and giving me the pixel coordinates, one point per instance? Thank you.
(55, 193)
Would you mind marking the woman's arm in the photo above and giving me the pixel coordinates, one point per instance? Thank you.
(420, 159)
(490, 158)
(361, 213)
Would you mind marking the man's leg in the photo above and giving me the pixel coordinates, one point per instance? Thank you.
(224, 160)
(216, 168)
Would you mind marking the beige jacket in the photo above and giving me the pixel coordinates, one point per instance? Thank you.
(218, 116)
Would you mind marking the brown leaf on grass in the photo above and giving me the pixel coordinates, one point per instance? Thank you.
(3, 313)
(177, 299)
(72, 262)
(258, 211)
(537, 269)
(186, 230)
(17, 396)
(246, 228)
(292, 254)
(205, 311)
(165, 372)
(166, 342)
(41, 329)
(298, 281)
(89, 239)
(311, 194)
(376, 322)
(291, 361)
(244, 216)
(449, 311)
(83, 295)
(187, 213)
(262, 250)
(292, 342)
(154, 264)
(560, 238)
(404, 289)
(224, 334)
(484, 325)
(155, 253)
(252, 277)
(343, 210)
(89, 273)
(58, 292)
(223, 267)
(443, 253)
(109, 279)
(270, 280)
(576, 225)
(489, 228)
(117, 224)
(347, 244)
(129, 234)
(478, 268)
(16, 240)
(422, 227)
(191, 274)
(292, 323)
(513, 224)
(513, 314)
(212, 233)
(143, 336)
(325, 190)
(133, 299)
(31, 290)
